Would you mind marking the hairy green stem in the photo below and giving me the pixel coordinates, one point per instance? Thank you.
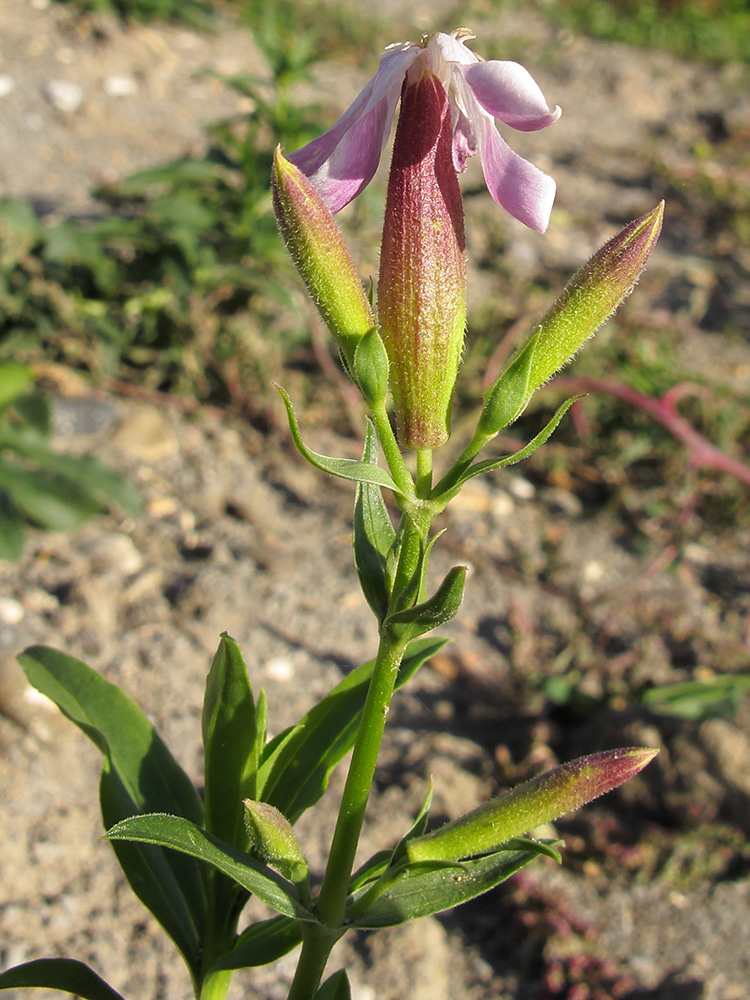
(335, 887)
(391, 450)
(424, 472)
(317, 942)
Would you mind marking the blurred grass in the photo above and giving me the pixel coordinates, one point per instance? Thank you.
(713, 30)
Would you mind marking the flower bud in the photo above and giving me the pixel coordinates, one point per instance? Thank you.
(422, 284)
(320, 254)
(530, 805)
(272, 837)
(592, 295)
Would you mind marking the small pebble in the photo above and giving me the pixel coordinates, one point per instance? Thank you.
(162, 506)
(502, 506)
(120, 86)
(593, 571)
(64, 95)
(521, 488)
(11, 611)
(279, 669)
(7, 84)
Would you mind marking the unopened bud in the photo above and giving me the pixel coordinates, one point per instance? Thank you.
(422, 285)
(272, 837)
(320, 254)
(532, 804)
(589, 298)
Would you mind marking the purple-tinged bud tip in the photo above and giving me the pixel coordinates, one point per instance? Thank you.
(530, 805)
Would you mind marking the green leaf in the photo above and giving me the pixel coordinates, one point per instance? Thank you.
(262, 943)
(487, 465)
(336, 987)
(86, 472)
(47, 499)
(64, 974)
(139, 775)
(229, 744)
(182, 835)
(297, 764)
(373, 534)
(11, 532)
(344, 468)
(697, 699)
(429, 888)
(14, 381)
(438, 609)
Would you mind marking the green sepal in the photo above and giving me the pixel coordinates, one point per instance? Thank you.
(371, 368)
(297, 764)
(343, 468)
(261, 943)
(436, 611)
(64, 974)
(336, 987)
(139, 775)
(509, 395)
(373, 533)
(183, 836)
(422, 889)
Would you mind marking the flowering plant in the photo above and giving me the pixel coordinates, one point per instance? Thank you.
(194, 861)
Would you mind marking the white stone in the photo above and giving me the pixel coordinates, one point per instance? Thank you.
(279, 669)
(120, 86)
(64, 95)
(521, 488)
(7, 84)
(11, 611)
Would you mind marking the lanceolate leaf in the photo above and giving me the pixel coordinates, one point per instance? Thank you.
(63, 974)
(139, 775)
(182, 835)
(438, 609)
(297, 764)
(487, 465)
(229, 744)
(373, 533)
(336, 987)
(85, 471)
(262, 943)
(46, 498)
(424, 889)
(344, 468)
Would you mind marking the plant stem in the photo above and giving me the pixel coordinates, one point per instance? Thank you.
(424, 472)
(317, 942)
(335, 887)
(216, 985)
(391, 450)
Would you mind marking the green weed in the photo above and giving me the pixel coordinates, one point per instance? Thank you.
(714, 30)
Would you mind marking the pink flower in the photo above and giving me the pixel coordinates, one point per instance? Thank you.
(343, 160)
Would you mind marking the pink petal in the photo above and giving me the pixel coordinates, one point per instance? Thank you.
(508, 92)
(464, 139)
(522, 189)
(343, 160)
